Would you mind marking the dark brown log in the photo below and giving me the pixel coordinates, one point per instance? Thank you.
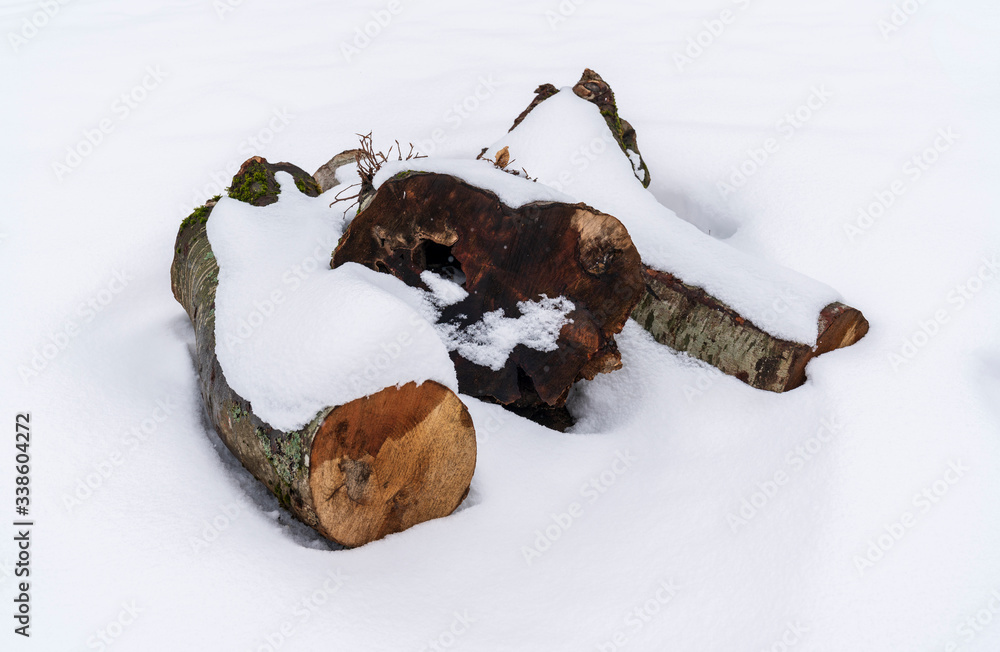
(356, 472)
(687, 318)
(421, 221)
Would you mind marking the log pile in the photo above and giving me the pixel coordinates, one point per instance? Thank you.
(382, 463)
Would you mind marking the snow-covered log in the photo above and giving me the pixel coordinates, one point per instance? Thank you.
(686, 318)
(356, 472)
(531, 291)
(750, 318)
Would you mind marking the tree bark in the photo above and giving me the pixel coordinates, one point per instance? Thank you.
(688, 319)
(422, 221)
(326, 175)
(356, 472)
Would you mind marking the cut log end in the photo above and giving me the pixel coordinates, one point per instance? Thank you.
(839, 326)
(386, 462)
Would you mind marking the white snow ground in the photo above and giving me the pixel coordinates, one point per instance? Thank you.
(97, 349)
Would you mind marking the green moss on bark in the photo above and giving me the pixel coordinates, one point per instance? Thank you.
(199, 216)
(253, 183)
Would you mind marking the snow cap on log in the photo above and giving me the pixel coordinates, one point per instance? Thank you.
(548, 143)
(751, 318)
(595, 90)
(688, 319)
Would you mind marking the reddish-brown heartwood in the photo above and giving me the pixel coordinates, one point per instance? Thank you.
(422, 221)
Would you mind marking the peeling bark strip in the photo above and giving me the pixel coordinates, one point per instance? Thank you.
(421, 221)
(687, 318)
(356, 472)
(542, 93)
(326, 175)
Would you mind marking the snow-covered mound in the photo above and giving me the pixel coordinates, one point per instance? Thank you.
(514, 191)
(565, 143)
(294, 336)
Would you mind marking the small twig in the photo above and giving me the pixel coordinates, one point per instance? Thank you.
(337, 198)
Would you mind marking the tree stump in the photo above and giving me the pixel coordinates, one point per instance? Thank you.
(595, 90)
(356, 472)
(503, 256)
